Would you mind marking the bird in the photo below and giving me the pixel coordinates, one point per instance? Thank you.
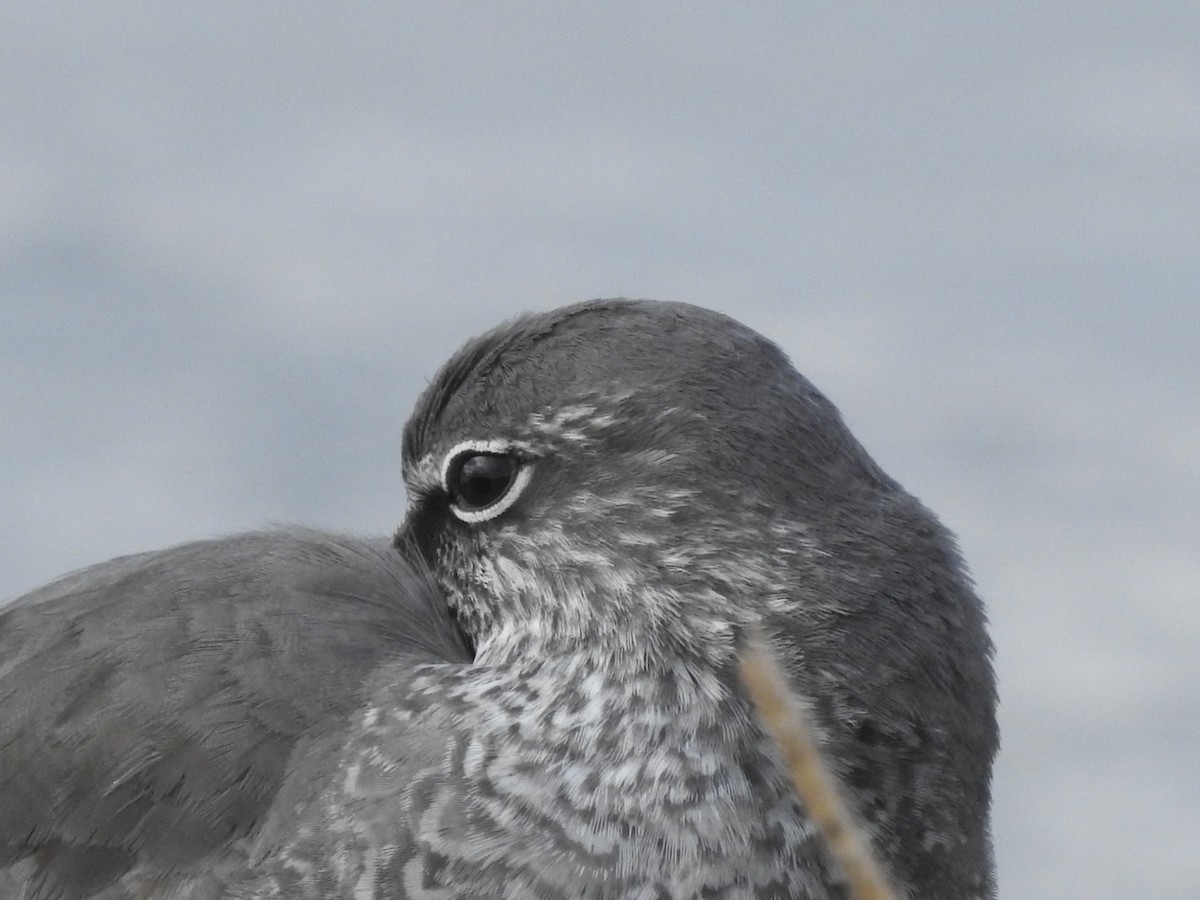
(531, 690)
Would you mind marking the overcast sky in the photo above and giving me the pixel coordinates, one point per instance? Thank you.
(236, 239)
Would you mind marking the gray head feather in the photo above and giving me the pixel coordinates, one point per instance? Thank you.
(687, 480)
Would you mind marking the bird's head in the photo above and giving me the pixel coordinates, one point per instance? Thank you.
(625, 474)
(639, 479)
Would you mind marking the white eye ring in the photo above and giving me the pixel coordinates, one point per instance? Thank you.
(511, 494)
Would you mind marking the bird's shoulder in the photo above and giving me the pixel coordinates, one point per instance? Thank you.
(152, 707)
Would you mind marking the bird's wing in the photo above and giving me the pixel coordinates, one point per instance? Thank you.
(149, 705)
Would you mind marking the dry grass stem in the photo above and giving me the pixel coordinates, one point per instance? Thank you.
(786, 721)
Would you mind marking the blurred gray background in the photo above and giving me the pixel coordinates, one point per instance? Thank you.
(236, 239)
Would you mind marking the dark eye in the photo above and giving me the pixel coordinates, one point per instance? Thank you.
(482, 484)
(480, 479)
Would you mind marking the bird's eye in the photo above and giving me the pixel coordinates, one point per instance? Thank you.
(483, 483)
(478, 480)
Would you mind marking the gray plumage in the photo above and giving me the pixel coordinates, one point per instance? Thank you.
(604, 495)
(151, 707)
